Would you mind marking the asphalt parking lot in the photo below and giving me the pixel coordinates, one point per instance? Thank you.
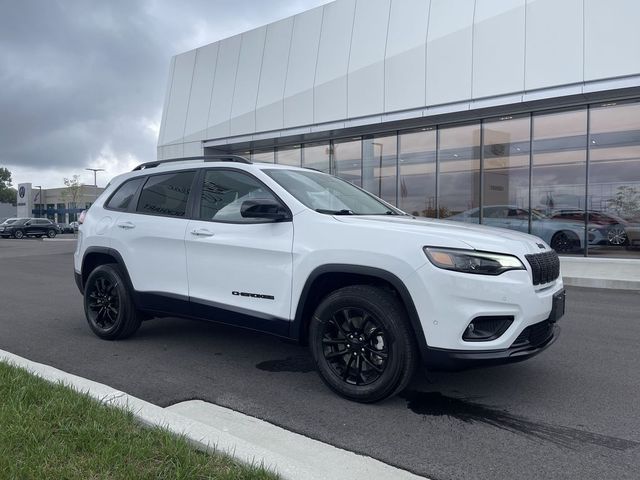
(571, 412)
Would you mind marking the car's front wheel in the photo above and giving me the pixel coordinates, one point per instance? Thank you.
(52, 233)
(362, 343)
(18, 234)
(108, 305)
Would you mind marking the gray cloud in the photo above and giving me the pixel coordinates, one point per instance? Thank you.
(80, 77)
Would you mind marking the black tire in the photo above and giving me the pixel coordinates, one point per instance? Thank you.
(18, 234)
(108, 304)
(52, 234)
(565, 242)
(370, 325)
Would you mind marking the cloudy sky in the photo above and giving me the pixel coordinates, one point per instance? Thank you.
(82, 82)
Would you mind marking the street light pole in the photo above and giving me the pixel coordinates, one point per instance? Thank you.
(95, 171)
(39, 200)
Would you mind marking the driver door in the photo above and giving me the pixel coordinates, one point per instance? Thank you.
(239, 269)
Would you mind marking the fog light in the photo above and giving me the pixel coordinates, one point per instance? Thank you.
(484, 329)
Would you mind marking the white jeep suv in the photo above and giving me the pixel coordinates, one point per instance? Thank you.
(309, 257)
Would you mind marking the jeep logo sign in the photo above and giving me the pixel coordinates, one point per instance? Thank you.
(21, 191)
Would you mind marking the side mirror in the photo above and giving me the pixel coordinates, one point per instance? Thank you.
(264, 208)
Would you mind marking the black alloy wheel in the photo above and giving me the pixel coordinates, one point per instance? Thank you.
(355, 346)
(51, 234)
(561, 242)
(108, 306)
(18, 234)
(362, 343)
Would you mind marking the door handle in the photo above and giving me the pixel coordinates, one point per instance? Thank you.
(126, 225)
(202, 232)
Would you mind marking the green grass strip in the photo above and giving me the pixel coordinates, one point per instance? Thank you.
(51, 431)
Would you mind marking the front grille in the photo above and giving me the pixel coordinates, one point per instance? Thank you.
(535, 335)
(545, 266)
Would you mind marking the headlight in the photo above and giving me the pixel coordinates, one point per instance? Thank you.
(472, 261)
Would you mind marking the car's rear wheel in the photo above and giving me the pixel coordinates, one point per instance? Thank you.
(18, 234)
(51, 234)
(108, 305)
(362, 343)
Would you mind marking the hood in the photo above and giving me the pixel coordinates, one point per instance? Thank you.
(446, 232)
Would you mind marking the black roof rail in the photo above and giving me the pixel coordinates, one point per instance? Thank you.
(204, 158)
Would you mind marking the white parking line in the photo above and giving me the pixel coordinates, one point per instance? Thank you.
(247, 439)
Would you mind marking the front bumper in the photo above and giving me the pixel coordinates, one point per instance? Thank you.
(538, 338)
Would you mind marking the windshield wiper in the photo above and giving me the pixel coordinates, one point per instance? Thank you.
(335, 212)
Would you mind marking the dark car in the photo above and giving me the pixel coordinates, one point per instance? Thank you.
(612, 227)
(29, 227)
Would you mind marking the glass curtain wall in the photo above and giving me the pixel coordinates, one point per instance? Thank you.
(380, 167)
(558, 180)
(347, 160)
(263, 156)
(289, 156)
(570, 177)
(317, 156)
(505, 173)
(613, 199)
(417, 172)
(459, 173)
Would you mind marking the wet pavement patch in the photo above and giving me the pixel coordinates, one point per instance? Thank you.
(435, 404)
(299, 364)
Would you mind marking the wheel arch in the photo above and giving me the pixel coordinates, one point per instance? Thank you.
(96, 256)
(328, 278)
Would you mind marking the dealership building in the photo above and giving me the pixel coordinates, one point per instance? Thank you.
(522, 114)
(60, 205)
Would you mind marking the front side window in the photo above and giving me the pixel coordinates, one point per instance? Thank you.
(225, 191)
(166, 194)
(328, 194)
(121, 199)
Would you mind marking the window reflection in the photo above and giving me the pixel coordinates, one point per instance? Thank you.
(379, 166)
(506, 173)
(459, 177)
(317, 156)
(263, 156)
(558, 179)
(347, 160)
(289, 156)
(614, 178)
(417, 172)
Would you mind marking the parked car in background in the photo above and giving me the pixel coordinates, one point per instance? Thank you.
(66, 228)
(29, 227)
(613, 228)
(563, 236)
(75, 226)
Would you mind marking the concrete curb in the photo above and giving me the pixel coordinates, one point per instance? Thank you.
(291, 455)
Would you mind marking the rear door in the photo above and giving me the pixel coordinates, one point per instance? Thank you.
(239, 269)
(149, 235)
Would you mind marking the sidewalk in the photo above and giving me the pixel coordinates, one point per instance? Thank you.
(616, 273)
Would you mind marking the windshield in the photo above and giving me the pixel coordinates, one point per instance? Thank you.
(328, 194)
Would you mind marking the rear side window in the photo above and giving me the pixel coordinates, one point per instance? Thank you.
(166, 194)
(122, 198)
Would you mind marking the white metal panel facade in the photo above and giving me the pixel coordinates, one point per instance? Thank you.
(269, 107)
(360, 62)
(498, 47)
(330, 88)
(223, 87)
(243, 116)
(365, 94)
(406, 55)
(301, 69)
(201, 87)
(179, 98)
